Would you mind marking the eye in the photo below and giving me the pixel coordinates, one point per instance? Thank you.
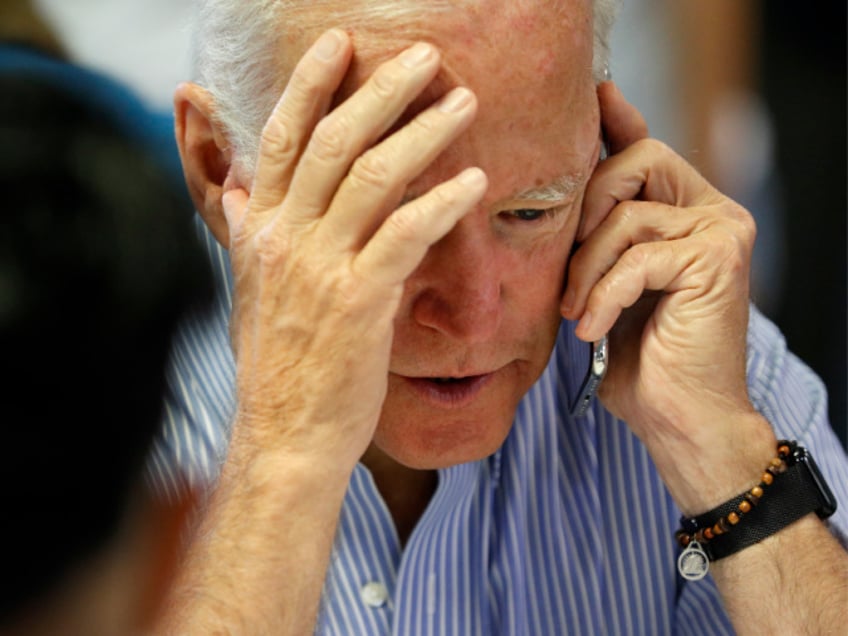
(528, 214)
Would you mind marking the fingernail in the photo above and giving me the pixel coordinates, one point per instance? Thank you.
(585, 323)
(327, 45)
(416, 55)
(472, 177)
(455, 100)
(568, 301)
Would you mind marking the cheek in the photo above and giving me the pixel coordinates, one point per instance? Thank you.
(536, 282)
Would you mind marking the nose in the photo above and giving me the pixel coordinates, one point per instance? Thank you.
(458, 288)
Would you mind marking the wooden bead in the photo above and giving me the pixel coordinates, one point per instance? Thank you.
(751, 498)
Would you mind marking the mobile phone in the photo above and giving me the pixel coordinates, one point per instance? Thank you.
(598, 362)
(599, 355)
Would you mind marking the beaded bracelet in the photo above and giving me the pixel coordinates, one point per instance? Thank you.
(704, 527)
(693, 562)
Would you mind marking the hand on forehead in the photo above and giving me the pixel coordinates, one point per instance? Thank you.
(529, 67)
(507, 40)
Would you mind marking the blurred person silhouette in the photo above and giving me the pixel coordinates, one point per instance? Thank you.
(99, 261)
(31, 39)
(22, 24)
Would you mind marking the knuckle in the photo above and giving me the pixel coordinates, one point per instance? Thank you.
(328, 139)
(738, 226)
(652, 147)
(268, 248)
(444, 197)
(276, 140)
(607, 287)
(384, 82)
(403, 223)
(636, 257)
(625, 214)
(425, 123)
(745, 222)
(371, 169)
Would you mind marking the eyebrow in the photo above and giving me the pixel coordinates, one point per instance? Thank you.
(559, 190)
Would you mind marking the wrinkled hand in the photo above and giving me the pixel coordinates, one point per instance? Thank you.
(664, 266)
(320, 249)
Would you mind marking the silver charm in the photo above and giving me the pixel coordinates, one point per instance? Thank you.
(693, 563)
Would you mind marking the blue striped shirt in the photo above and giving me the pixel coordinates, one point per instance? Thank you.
(566, 529)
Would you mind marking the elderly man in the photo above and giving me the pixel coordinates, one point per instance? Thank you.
(424, 204)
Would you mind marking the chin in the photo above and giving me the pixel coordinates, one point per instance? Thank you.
(441, 440)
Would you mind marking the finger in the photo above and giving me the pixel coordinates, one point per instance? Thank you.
(643, 267)
(630, 223)
(378, 179)
(622, 123)
(304, 102)
(705, 266)
(647, 170)
(401, 243)
(356, 124)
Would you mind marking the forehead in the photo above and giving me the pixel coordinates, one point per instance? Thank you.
(530, 66)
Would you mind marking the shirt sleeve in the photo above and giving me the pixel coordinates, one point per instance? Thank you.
(199, 397)
(794, 399)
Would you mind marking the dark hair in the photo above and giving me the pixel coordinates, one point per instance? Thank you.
(98, 262)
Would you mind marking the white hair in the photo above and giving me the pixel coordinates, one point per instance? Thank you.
(236, 51)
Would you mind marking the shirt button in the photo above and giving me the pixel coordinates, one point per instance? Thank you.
(374, 594)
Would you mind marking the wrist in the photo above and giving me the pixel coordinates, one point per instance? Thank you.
(299, 447)
(714, 462)
(270, 468)
(791, 486)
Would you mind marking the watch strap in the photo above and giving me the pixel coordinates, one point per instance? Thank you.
(794, 493)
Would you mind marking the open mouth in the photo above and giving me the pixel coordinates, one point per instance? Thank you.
(450, 391)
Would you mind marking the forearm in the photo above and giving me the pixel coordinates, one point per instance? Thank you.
(793, 582)
(257, 561)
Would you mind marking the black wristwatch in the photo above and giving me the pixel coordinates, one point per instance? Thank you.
(796, 488)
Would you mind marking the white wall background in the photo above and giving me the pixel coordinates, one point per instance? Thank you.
(144, 43)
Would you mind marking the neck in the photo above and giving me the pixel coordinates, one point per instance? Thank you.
(406, 491)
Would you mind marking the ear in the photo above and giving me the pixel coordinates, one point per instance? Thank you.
(205, 155)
